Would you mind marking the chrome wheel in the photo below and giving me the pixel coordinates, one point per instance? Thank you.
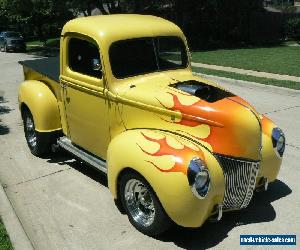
(139, 202)
(39, 143)
(30, 131)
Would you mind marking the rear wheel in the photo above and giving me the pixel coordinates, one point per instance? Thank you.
(142, 205)
(38, 143)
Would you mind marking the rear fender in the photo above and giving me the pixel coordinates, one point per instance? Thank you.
(42, 103)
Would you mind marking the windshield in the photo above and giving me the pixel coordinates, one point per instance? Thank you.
(12, 34)
(146, 55)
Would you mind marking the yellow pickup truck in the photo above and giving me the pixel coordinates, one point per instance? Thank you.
(122, 98)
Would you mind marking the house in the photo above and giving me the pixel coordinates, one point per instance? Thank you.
(297, 3)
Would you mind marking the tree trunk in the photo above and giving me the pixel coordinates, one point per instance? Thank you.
(89, 9)
(179, 11)
(40, 33)
(113, 6)
(137, 6)
(99, 4)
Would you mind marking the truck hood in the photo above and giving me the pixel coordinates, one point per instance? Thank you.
(233, 124)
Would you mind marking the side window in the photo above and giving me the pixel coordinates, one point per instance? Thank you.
(84, 58)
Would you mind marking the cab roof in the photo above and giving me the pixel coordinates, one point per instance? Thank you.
(110, 28)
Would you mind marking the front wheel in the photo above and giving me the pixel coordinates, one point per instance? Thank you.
(38, 143)
(142, 205)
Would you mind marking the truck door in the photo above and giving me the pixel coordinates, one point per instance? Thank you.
(83, 90)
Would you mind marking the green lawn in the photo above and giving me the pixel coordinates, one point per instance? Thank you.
(4, 238)
(262, 80)
(34, 43)
(281, 59)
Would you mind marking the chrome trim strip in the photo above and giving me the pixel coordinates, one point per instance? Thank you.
(266, 184)
(220, 212)
(66, 144)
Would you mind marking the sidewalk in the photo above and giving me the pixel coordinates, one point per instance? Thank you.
(13, 226)
(248, 72)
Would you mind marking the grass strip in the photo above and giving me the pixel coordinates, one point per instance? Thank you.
(236, 76)
(5, 243)
(52, 42)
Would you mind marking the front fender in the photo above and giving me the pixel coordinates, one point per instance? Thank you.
(271, 162)
(162, 159)
(42, 103)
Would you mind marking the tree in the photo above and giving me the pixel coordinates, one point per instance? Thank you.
(118, 6)
(105, 6)
(206, 22)
(43, 17)
(3, 17)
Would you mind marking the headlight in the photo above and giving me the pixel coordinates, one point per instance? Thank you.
(278, 141)
(199, 178)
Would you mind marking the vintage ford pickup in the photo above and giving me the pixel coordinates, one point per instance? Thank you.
(122, 98)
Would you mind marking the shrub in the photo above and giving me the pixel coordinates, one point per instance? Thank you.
(293, 28)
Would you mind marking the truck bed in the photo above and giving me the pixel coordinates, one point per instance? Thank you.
(48, 67)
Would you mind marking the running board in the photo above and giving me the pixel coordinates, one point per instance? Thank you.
(66, 144)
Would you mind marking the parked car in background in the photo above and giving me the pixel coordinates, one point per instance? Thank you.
(12, 41)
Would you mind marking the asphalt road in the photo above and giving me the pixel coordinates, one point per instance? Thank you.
(63, 204)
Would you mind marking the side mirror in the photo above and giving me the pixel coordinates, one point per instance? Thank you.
(96, 65)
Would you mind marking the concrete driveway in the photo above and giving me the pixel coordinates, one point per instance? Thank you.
(63, 204)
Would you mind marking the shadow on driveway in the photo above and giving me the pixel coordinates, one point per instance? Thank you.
(3, 110)
(210, 234)
(64, 158)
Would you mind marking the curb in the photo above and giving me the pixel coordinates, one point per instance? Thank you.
(256, 84)
(16, 233)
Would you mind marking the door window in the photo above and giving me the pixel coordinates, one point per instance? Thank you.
(84, 58)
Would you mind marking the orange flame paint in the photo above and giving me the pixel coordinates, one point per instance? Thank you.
(181, 156)
(181, 108)
(227, 139)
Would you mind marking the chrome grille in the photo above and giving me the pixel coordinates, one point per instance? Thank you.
(240, 177)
